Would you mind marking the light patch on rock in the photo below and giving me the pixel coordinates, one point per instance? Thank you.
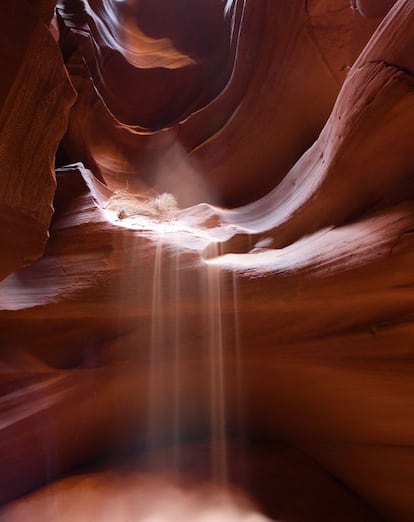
(162, 207)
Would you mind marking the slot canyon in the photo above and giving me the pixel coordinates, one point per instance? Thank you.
(206, 278)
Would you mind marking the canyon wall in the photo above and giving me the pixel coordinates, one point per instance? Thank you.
(282, 134)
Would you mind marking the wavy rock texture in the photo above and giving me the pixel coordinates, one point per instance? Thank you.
(208, 155)
(152, 321)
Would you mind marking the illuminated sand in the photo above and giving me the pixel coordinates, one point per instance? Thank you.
(111, 497)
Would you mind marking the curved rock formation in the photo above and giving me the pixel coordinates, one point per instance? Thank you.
(163, 311)
(210, 147)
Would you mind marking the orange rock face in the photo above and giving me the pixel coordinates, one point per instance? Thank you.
(224, 287)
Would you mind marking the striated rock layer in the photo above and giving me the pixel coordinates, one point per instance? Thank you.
(34, 88)
(150, 320)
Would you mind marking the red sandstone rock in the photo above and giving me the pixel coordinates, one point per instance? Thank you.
(94, 305)
(34, 89)
(44, 8)
(350, 168)
(296, 490)
(210, 147)
(315, 312)
(161, 81)
(374, 8)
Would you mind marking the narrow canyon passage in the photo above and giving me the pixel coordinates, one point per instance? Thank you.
(206, 296)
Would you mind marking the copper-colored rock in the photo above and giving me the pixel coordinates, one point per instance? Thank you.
(94, 304)
(265, 94)
(162, 81)
(144, 326)
(374, 8)
(296, 489)
(34, 88)
(44, 8)
(349, 169)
